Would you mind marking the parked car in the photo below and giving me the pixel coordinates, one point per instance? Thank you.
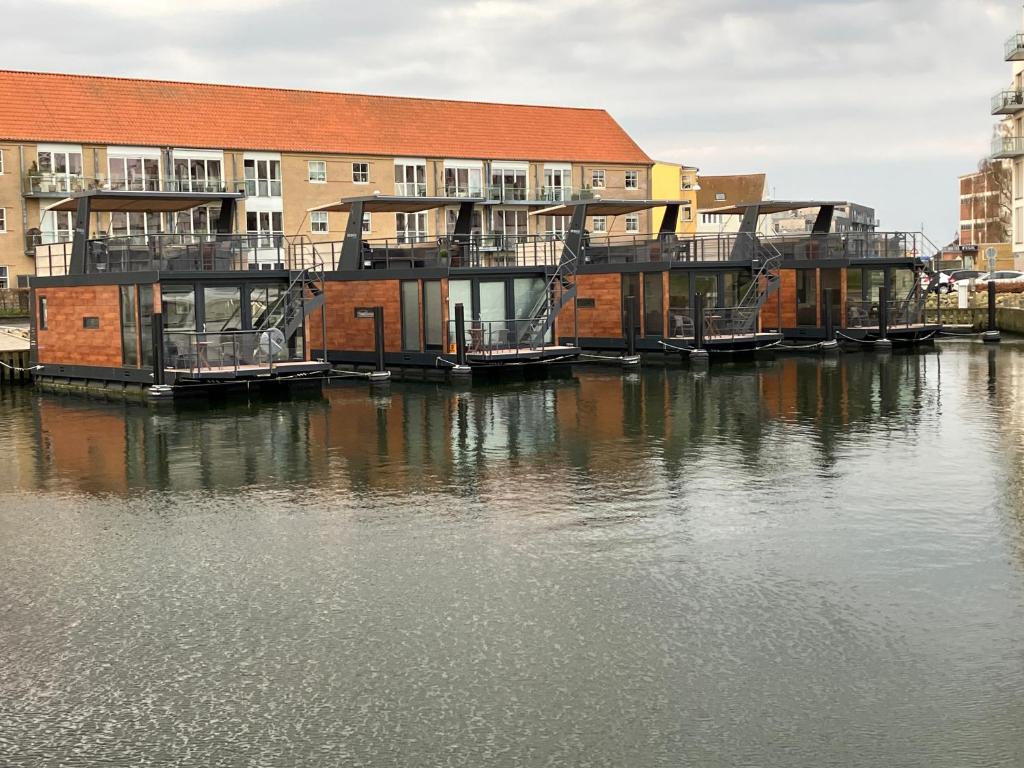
(1002, 276)
(942, 286)
(963, 274)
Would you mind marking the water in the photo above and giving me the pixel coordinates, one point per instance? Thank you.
(798, 563)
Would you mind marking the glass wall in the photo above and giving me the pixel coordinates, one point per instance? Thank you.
(179, 304)
(654, 304)
(129, 328)
(707, 286)
(222, 308)
(807, 297)
(146, 325)
(679, 314)
(529, 293)
(410, 315)
(630, 290)
(432, 316)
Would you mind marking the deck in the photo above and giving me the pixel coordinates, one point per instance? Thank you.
(251, 371)
(525, 354)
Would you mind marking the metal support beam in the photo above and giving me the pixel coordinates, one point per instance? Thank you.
(352, 246)
(81, 237)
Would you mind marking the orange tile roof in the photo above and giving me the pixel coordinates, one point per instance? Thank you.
(109, 110)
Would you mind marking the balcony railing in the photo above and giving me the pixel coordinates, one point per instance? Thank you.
(172, 253)
(1007, 146)
(499, 340)
(263, 187)
(1007, 102)
(507, 193)
(454, 190)
(1014, 48)
(58, 184)
(410, 189)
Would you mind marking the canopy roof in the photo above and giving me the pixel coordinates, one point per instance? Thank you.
(110, 201)
(394, 203)
(598, 207)
(767, 207)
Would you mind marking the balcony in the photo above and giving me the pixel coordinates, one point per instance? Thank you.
(1007, 102)
(57, 185)
(1014, 48)
(559, 194)
(1007, 147)
(455, 190)
(411, 188)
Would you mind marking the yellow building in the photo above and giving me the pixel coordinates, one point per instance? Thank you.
(672, 181)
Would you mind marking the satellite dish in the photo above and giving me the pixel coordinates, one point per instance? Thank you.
(272, 342)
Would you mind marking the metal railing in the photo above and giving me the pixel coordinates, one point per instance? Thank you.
(506, 340)
(458, 190)
(1007, 146)
(171, 253)
(1008, 101)
(901, 313)
(224, 352)
(511, 194)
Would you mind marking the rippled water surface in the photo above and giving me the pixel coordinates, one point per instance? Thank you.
(789, 563)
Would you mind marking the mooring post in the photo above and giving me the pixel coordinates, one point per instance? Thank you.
(378, 337)
(460, 334)
(631, 326)
(157, 341)
(698, 353)
(883, 320)
(830, 332)
(992, 334)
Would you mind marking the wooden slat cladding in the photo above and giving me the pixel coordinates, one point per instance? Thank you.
(604, 319)
(65, 341)
(344, 330)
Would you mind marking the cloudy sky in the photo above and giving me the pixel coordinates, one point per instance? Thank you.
(884, 102)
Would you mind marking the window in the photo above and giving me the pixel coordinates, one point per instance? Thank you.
(91, 322)
(597, 178)
(599, 224)
(56, 227)
(633, 222)
(44, 319)
(197, 174)
(711, 218)
(411, 179)
(23, 281)
(475, 222)
(685, 181)
(686, 213)
(411, 227)
(463, 181)
(265, 224)
(433, 323)
(318, 221)
(197, 221)
(3, 276)
(509, 222)
(134, 224)
(508, 183)
(410, 308)
(55, 171)
(654, 304)
(263, 178)
(632, 179)
(135, 172)
(318, 171)
(3, 219)
(558, 225)
(129, 328)
(1, 162)
(556, 183)
(367, 226)
(361, 173)
(720, 197)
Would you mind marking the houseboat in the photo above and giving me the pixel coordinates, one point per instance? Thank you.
(168, 314)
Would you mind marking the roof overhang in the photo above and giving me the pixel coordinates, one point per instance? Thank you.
(394, 204)
(108, 201)
(598, 207)
(767, 207)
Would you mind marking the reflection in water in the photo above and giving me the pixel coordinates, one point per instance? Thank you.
(803, 562)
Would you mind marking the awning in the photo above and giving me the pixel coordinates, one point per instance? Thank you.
(394, 204)
(108, 201)
(598, 207)
(768, 207)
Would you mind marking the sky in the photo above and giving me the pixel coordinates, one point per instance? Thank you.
(882, 102)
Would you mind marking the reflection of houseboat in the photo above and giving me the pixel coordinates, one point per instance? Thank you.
(176, 310)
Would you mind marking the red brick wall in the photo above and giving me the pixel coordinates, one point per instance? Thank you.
(65, 341)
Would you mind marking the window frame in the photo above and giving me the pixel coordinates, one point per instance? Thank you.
(310, 174)
(603, 229)
(1, 162)
(367, 223)
(635, 175)
(594, 176)
(634, 218)
(5, 275)
(366, 171)
(317, 218)
(3, 220)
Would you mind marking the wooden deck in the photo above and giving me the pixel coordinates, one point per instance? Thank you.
(229, 372)
(511, 355)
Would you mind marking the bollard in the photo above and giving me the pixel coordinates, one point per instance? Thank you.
(461, 367)
(830, 343)
(699, 354)
(992, 334)
(158, 348)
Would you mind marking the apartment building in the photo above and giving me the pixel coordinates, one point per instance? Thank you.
(674, 181)
(722, 192)
(848, 217)
(1008, 141)
(292, 150)
(986, 203)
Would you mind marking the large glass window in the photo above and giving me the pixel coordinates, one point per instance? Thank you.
(222, 308)
(807, 297)
(654, 304)
(262, 178)
(57, 169)
(475, 221)
(265, 306)
(146, 325)
(179, 307)
(129, 328)
(134, 223)
(707, 286)
(735, 286)
(557, 184)
(135, 173)
(432, 317)
(463, 182)
(631, 293)
(507, 221)
(680, 317)
(198, 221)
(530, 295)
(508, 183)
(411, 179)
(265, 224)
(197, 174)
(410, 315)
